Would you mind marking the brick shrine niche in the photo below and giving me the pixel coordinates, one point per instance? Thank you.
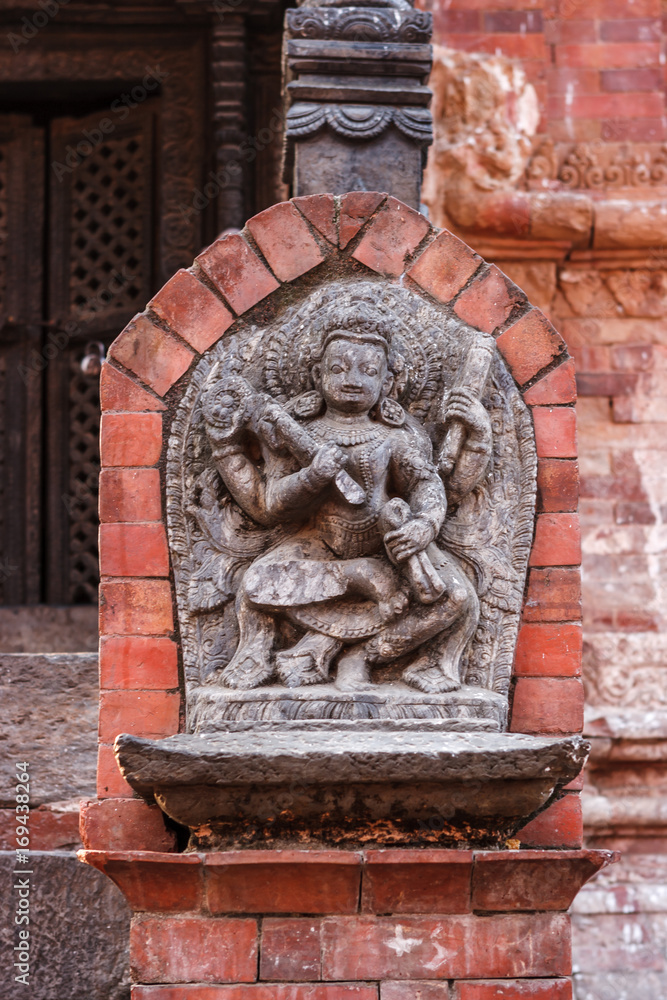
(445, 912)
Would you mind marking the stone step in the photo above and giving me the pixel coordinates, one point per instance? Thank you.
(44, 628)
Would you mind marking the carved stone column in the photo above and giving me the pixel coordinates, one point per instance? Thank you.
(228, 72)
(358, 115)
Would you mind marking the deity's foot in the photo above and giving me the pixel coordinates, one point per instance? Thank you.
(248, 668)
(353, 673)
(308, 662)
(429, 677)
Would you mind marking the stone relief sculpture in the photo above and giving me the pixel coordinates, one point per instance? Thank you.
(350, 498)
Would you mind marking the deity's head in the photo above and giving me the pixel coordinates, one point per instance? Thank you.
(354, 371)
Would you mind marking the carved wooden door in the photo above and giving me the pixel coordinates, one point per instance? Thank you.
(21, 377)
(76, 262)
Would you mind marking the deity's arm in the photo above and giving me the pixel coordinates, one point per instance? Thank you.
(280, 494)
(290, 493)
(473, 458)
(417, 481)
(470, 469)
(243, 480)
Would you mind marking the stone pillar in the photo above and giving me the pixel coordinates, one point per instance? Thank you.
(358, 115)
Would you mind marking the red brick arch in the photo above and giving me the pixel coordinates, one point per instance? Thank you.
(145, 377)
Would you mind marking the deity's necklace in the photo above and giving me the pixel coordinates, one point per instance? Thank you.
(345, 435)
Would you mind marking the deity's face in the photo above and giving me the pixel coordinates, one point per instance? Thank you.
(353, 375)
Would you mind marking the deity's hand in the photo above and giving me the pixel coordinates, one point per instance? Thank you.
(411, 538)
(223, 435)
(328, 462)
(464, 407)
(266, 421)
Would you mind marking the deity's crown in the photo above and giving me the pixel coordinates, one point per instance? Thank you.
(355, 319)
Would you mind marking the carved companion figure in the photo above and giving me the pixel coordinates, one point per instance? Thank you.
(347, 479)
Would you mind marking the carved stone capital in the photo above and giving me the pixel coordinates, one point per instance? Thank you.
(360, 24)
(357, 75)
(359, 121)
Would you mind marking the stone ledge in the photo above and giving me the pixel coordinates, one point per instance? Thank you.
(348, 782)
(322, 751)
(323, 882)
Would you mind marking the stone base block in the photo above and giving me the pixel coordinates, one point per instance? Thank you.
(404, 783)
(79, 928)
(390, 162)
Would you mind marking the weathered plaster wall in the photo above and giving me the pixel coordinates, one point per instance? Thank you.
(570, 202)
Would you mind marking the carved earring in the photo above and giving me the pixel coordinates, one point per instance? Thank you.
(391, 412)
(308, 405)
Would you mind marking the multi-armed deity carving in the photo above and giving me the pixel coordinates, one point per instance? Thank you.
(351, 495)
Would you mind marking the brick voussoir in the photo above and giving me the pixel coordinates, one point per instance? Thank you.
(321, 213)
(490, 301)
(152, 353)
(191, 310)
(388, 244)
(530, 346)
(444, 267)
(285, 241)
(357, 210)
(237, 272)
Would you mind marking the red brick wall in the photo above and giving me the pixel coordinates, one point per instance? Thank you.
(317, 925)
(595, 64)
(601, 79)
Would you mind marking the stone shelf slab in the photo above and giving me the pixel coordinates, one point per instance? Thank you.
(350, 782)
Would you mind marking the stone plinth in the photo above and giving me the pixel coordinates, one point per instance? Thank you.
(331, 925)
(468, 709)
(342, 782)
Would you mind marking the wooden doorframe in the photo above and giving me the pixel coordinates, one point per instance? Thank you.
(121, 60)
(202, 62)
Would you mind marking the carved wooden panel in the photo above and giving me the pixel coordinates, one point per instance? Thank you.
(124, 216)
(4, 564)
(84, 469)
(3, 226)
(102, 220)
(102, 247)
(114, 57)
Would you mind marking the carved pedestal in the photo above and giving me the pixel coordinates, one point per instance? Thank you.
(331, 782)
(340, 607)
